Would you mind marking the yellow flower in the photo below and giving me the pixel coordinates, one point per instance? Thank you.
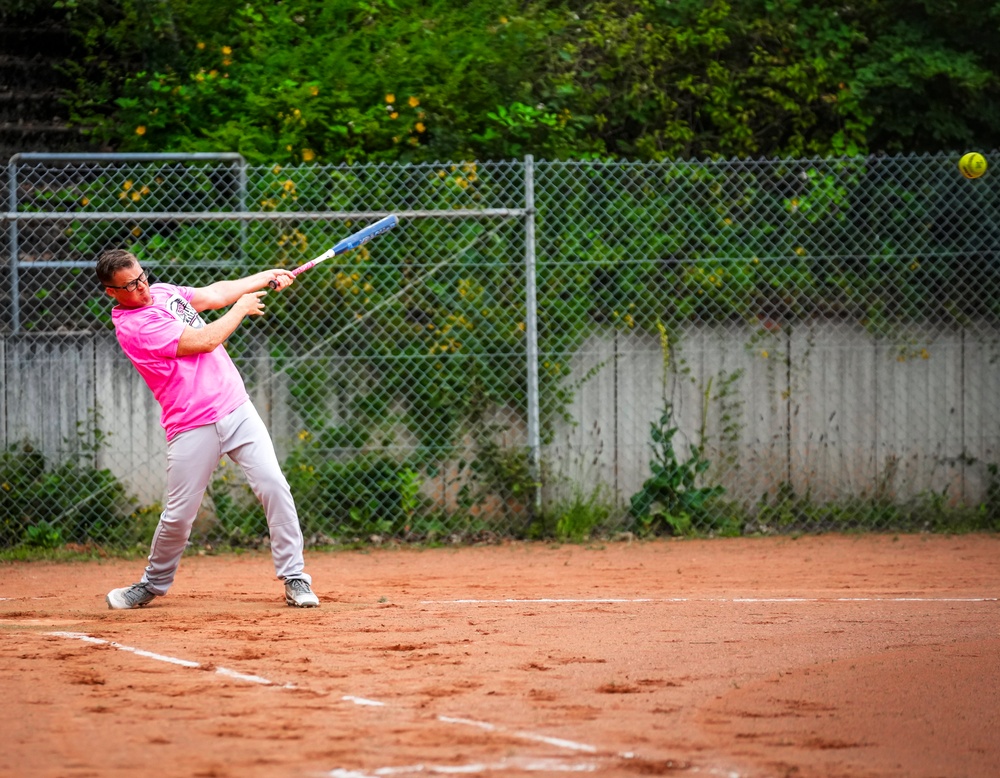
(140, 130)
(226, 50)
(925, 354)
(308, 155)
(419, 126)
(136, 197)
(276, 169)
(85, 201)
(390, 98)
(201, 46)
(137, 231)
(800, 251)
(314, 90)
(764, 354)
(127, 185)
(503, 20)
(394, 115)
(414, 102)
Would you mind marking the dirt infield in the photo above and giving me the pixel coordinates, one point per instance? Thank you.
(819, 656)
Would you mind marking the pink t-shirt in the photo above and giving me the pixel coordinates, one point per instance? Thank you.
(193, 390)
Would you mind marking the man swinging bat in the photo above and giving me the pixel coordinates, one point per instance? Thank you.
(206, 413)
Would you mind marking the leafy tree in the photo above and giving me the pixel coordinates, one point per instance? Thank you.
(355, 80)
(690, 78)
(928, 74)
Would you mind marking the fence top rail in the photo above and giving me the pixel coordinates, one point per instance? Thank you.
(70, 156)
(237, 215)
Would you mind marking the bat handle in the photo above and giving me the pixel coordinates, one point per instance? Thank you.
(295, 271)
(274, 284)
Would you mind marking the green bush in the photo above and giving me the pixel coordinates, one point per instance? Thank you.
(672, 500)
(354, 499)
(48, 506)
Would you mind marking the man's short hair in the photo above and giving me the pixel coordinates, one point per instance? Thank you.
(110, 262)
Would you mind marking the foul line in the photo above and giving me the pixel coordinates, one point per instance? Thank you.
(514, 763)
(225, 671)
(532, 764)
(552, 741)
(626, 600)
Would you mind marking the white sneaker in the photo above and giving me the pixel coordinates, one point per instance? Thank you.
(299, 595)
(134, 596)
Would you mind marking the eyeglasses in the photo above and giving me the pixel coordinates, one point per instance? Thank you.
(132, 285)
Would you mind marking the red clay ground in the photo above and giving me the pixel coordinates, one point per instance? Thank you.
(820, 656)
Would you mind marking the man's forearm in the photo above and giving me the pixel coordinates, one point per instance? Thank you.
(209, 337)
(223, 293)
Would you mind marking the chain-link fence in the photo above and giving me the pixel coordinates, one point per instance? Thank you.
(540, 349)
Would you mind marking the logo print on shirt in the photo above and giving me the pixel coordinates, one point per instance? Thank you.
(182, 310)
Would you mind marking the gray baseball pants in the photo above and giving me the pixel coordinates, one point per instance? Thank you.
(192, 457)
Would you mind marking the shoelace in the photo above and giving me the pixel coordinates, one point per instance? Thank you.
(298, 585)
(135, 593)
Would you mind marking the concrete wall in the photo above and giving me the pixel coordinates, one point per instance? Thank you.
(825, 408)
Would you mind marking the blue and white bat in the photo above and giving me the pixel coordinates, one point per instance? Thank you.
(349, 243)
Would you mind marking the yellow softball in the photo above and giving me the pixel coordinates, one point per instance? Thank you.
(972, 165)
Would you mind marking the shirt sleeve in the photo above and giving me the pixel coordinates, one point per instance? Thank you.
(154, 332)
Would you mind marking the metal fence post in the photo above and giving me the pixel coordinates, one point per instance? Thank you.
(243, 207)
(531, 330)
(15, 288)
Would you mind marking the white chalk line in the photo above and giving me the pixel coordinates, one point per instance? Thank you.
(548, 765)
(528, 765)
(510, 763)
(551, 741)
(362, 701)
(629, 600)
(224, 671)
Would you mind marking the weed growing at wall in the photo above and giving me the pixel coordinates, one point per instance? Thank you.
(46, 504)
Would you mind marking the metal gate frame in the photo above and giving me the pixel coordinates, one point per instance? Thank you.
(527, 213)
